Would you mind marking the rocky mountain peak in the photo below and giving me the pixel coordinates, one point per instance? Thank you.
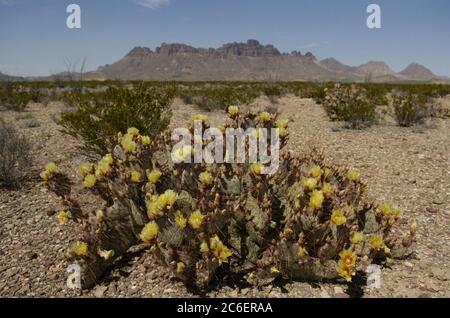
(250, 48)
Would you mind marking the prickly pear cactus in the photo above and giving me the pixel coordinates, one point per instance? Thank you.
(308, 220)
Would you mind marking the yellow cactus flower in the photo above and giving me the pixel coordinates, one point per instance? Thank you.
(149, 232)
(316, 199)
(196, 219)
(108, 159)
(388, 210)
(154, 175)
(282, 123)
(357, 237)
(233, 110)
(106, 255)
(180, 267)
(128, 144)
(145, 140)
(167, 199)
(63, 217)
(353, 175)
(135, 176)
(103, 168)
(338, 218)
(180, 220)
(205, 178)
(85, 169)
(99, 215)
(220, 251)
(348, 257)
(199, 117)
(50, 169)
(274, 270)
(310, 183)
(282, 132)
(182, 153)
(316, 172)
(256, 168)
(79, 248)
(384, 208)
(302, 252)
(89, 181)
(204, 247)
(376, 242)
(132, 131)
(154, 209)
(345, 272)
(327, 189)
(265, 117)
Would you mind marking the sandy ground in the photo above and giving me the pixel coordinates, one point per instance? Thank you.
(410, 167)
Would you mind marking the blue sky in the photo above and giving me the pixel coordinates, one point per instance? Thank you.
(34, 39)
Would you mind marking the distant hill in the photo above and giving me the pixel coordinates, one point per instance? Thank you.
(248, 61)
(418, 72)
(232, 61)
(4, 77)
(244, 61)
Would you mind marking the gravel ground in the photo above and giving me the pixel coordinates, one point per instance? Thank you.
(408, 166)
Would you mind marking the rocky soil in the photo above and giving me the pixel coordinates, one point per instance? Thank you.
(408, 166)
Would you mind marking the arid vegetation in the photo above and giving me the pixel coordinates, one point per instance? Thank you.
(310, 221)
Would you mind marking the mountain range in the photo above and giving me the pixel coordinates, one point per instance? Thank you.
(248, 61)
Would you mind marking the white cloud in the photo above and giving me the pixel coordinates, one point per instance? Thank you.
(152, 4)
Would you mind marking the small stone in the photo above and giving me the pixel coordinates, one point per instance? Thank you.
(408, 264)
(233, 293)
(432, 210)
(324, 294)
(338, 290)
(112, 288)
(100, 291)
(51, 212)
(437, 201)
(245, 291)
(31, 255)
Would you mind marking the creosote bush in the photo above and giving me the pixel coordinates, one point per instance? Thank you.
(309, 220)
(350, 104)
(14, 97)
(410, 108)
(14, 156)
(100, 116)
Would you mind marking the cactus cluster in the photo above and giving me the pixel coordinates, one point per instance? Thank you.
(309, 220)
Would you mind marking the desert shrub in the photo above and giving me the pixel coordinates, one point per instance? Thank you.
(350, 104)
(14, 97)
(410, 109)
(273, 92)
(14, 155)
(308, 220)
(99, 117)
(377, 94)
(218, 98)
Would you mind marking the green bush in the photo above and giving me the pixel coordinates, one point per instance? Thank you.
(14, 97)
(410, 108)
(14, 156)
(350, 104)
(99, 117)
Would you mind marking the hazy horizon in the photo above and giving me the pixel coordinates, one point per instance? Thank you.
(36, 42)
